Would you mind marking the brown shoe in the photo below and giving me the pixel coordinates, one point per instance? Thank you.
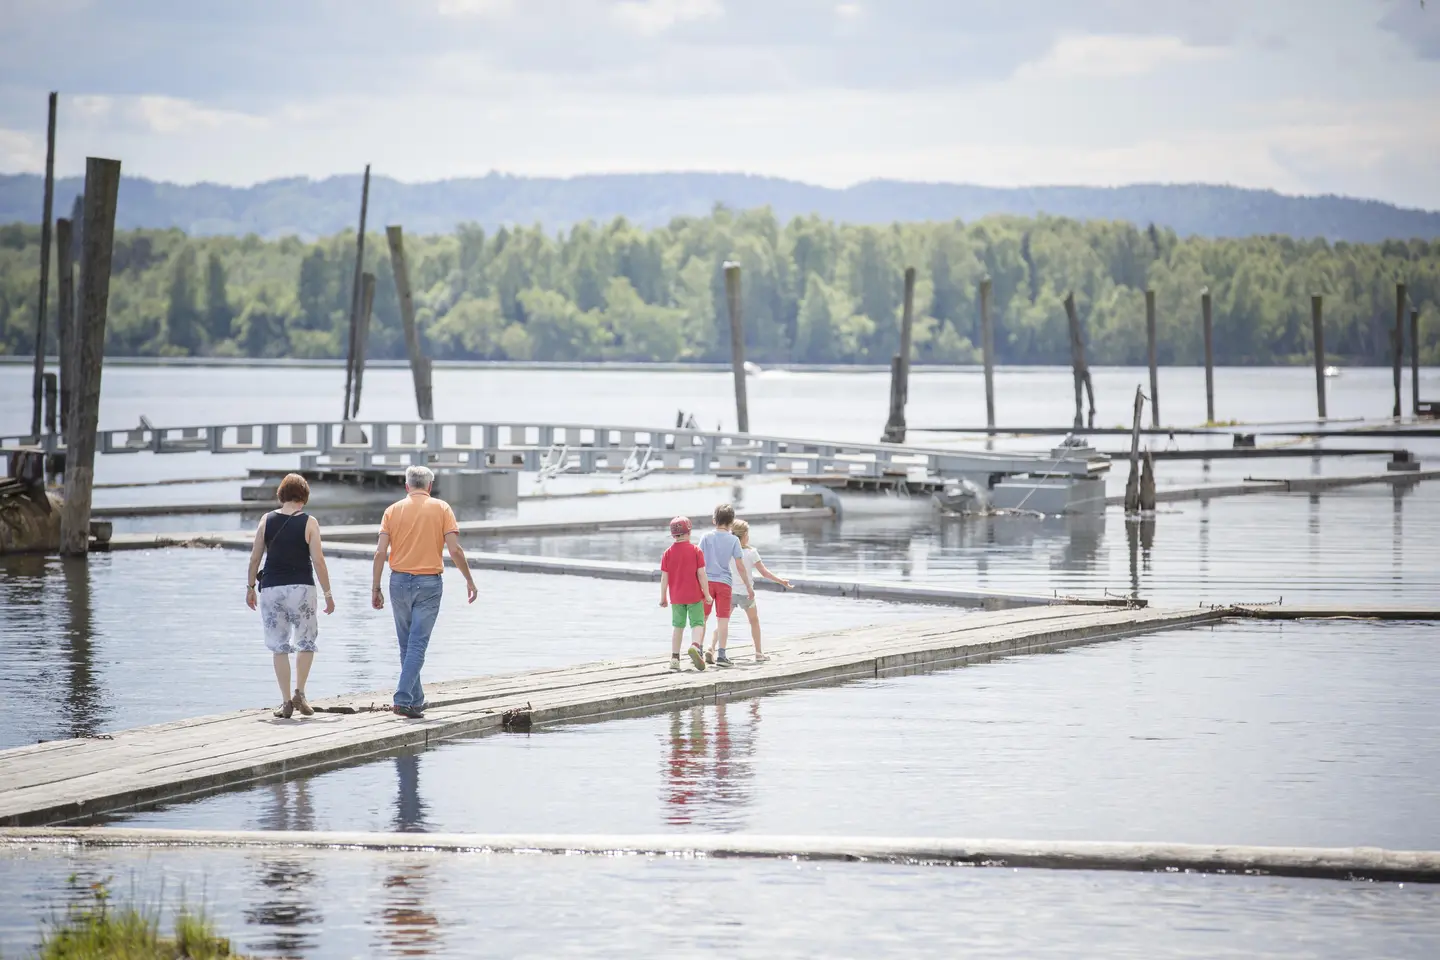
(302, 704)
(286, 708)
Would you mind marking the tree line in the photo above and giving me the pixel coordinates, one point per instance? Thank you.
(814, 291)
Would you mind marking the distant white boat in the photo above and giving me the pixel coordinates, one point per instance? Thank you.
(752, 369)
(1332, 372)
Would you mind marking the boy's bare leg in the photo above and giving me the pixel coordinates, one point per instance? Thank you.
(754, 616)
(722, 633)
(697, 637)
(675, 640)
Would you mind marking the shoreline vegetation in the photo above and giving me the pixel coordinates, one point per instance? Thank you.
(815, 292)
(94, 928)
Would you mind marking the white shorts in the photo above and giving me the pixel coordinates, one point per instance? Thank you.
(290, 609)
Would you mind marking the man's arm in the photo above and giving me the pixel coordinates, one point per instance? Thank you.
(382, 553)
(457, 556)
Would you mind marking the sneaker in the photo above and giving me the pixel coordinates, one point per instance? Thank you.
(721, 660)
(301, 704)
(286, 708)
(409, 713)
(675, 663)
(710, 656)
(696, 657)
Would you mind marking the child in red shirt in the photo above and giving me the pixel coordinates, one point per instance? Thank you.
(686, 590)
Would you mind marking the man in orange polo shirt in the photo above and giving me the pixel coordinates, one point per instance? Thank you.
(413, 535)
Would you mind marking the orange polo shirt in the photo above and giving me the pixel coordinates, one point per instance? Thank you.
(417, 527)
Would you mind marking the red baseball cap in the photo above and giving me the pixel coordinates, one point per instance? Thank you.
(680, 526)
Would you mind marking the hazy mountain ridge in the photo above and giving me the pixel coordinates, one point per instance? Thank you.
(310, 208)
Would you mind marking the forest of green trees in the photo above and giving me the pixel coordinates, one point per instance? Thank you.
(814, 292)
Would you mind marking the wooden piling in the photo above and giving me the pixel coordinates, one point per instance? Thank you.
(41, 312)
(1150, 336)
(65, 319)
(1207, 320)
(1147, 484)
(355, 290)
(987, 346)
(1317, 325)
(52, 401)
(900, 372)
(1080, 368)
(1132, 484)
(419, 364)
(362, 336)
(1397, 342)
(737, 344)
(1415, 363)
(102, 185)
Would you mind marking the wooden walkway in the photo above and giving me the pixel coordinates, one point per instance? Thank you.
(70, 780)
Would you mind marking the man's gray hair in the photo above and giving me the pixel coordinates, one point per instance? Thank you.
(418, 477)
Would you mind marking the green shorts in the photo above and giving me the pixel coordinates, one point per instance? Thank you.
(680, 611)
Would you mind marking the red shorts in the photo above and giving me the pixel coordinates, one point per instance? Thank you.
(721, 593)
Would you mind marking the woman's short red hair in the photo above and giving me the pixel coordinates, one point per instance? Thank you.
(293, 489)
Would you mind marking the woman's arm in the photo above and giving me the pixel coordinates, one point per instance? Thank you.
(761, 569)
(256, 552)
(317, 557)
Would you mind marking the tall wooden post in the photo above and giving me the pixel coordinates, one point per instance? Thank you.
(737, 344)
(1206, 319)
(102, 186)
(1397, 341)
(65, 320)
(987, 348)
(1150, 336)
(355, 291)
(1132, 483)
(1317, 324)
(1079, 367)
(900, 372)
(41, 317)
(419, 363)
(362, 338)
(1415, 363)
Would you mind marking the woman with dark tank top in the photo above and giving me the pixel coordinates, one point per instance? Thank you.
(289, 540)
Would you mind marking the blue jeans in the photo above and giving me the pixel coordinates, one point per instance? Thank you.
(415, 602)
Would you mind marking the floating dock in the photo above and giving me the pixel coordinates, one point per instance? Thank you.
(71, 780)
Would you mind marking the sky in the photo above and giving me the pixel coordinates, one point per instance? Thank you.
(1300, 96)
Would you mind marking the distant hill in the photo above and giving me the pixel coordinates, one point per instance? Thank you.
(310, 208)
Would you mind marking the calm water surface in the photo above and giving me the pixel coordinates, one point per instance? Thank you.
(346, 904)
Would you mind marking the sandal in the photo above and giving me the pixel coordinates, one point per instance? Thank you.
(301, 704)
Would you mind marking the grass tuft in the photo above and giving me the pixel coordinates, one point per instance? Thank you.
(93, 928)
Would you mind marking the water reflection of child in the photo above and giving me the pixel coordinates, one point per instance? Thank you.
(753, 565)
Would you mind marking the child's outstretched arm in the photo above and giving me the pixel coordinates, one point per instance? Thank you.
(704, 585)
(764, 572)
(664, 589)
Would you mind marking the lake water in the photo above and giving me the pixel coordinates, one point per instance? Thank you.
(1310, 733)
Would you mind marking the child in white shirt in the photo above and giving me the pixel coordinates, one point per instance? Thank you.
(753, 565)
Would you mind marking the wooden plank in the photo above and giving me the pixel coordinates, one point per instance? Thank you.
(1341, 863)
(186, 759)
(1327, 612)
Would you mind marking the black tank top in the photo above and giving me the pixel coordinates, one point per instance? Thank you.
(287, 555)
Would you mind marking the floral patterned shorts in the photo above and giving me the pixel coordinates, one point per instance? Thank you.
(286, 609)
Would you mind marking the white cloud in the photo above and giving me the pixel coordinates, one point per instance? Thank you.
(848, 11)
(20, 152)
(651, 18)
(173, 115)
(1115, 55)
